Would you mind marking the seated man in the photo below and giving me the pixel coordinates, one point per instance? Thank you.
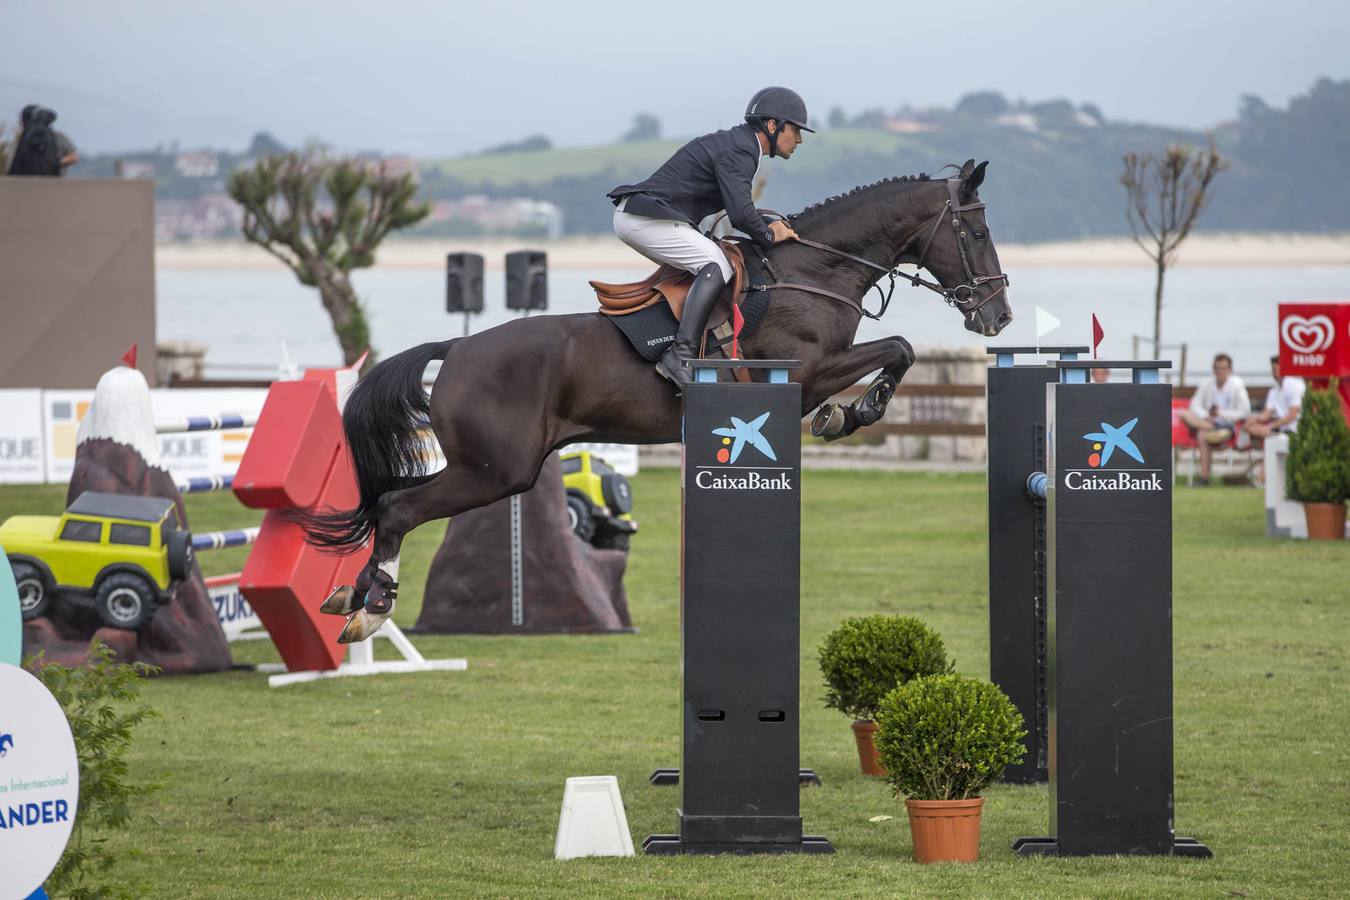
(1217, 409)
(1283, 405)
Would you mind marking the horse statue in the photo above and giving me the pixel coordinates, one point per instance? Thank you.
(507, 397)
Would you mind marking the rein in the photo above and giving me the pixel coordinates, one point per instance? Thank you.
(952, 296)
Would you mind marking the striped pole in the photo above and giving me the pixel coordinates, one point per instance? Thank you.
(204, 423)
(216, 540)
(205, 483)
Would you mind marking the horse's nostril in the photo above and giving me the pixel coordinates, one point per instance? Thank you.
(1004, 319)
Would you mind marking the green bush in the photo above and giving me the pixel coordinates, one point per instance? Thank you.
(95, 698)
(866, 657)
(946, 737)
(1318, 468)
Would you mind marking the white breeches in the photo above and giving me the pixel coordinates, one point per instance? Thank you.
(665, 241)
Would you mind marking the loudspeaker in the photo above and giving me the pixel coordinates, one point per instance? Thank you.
(463, 282)
(527, 279)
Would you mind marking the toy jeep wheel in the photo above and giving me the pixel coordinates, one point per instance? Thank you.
(35, 596)
(125, 601)
(580, 518)
(613, 540)
(180, 554)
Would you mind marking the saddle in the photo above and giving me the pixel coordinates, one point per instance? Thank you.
(671, 285)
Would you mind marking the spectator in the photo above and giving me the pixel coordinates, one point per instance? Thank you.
(1283, 405)
(1101, 376)
(1217, 410)
(40, 148)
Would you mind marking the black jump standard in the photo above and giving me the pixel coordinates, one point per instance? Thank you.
(740, 616)
(1108, 492)
(1018, 607)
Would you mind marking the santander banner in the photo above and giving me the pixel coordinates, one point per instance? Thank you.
(1315, 339)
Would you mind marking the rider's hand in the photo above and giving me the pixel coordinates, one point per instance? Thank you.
(782, 231)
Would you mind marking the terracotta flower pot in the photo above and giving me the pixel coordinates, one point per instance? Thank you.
(945, 830)
(864, 730)
(1326, 521)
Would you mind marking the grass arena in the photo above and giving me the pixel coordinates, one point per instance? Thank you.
(424, 785)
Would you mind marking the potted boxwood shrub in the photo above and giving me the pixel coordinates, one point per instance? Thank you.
(865, 658)
(1318, 469)
(943, 739)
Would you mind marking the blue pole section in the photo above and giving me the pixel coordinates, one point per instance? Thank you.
(216, 540)
(1036, 484)
(205, 483)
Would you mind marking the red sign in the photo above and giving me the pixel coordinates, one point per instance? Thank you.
(1315, 339)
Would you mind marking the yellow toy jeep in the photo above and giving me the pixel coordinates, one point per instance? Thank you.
(120, 554)
(599, 501)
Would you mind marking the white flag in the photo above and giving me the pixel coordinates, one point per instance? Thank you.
(1045, 323)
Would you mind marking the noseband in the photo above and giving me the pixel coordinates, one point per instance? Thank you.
(953, 296)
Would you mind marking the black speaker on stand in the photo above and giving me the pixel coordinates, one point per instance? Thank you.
(464, 285)
(527, 280)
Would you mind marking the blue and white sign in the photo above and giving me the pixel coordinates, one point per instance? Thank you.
(39, 783)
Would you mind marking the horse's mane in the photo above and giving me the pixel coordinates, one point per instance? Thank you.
(830, 202)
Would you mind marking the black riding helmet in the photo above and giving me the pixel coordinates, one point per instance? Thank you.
(780, 103)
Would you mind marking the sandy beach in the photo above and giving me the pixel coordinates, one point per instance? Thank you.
(1222, 250)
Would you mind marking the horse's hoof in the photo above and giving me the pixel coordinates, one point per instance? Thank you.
(829, 422)
(362, 624)
(342, 602)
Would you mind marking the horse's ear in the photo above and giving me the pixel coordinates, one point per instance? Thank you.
(971, 181)
(966, 170)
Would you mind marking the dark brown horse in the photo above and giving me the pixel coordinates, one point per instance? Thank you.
(509, 396)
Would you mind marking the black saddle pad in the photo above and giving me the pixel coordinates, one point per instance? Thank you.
(651, 329)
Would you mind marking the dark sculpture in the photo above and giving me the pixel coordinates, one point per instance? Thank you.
(567, 586)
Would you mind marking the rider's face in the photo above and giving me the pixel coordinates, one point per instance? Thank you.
(789, 138)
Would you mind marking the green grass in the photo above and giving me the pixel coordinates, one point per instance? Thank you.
(446, 784)
(829, 150)
(539, 166)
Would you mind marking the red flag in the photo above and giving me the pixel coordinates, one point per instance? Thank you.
(737, 323)
(129, 358)
(1097, 334)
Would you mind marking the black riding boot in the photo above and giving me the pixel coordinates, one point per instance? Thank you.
(698, 305)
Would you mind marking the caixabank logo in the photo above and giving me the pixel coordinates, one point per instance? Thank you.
(1113, 443)
(742, 459)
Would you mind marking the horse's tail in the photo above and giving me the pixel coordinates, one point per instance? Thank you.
(382, 418)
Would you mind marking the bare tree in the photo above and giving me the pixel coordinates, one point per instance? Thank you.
(1166, 196)
(324, 217)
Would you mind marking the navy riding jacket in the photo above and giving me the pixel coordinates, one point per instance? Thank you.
(706, 175)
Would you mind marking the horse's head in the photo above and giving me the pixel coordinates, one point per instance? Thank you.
(959, 251)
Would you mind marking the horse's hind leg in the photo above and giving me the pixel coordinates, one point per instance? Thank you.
(452, 491)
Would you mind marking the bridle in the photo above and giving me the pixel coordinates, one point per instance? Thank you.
(952, 296)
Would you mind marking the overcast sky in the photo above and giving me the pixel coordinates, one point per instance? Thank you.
(442, 78)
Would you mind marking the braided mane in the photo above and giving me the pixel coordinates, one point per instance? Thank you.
(860, 189)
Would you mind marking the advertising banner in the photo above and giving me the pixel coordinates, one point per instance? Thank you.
(39, 782)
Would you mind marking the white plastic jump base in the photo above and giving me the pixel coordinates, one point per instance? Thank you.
(361, 661)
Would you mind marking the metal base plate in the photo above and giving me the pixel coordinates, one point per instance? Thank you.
(671, 845)
(670, 777)
(1182, 846)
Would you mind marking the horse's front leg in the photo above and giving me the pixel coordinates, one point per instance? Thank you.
(893, 355)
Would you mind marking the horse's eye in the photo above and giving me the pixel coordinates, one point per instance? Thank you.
(981, 235)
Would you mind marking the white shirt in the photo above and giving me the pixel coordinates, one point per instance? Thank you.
(1284, 397)
(1231, 399)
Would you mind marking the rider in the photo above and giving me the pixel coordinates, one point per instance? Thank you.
(658, 217)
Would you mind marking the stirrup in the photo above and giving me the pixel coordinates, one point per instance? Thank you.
(681, 375)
